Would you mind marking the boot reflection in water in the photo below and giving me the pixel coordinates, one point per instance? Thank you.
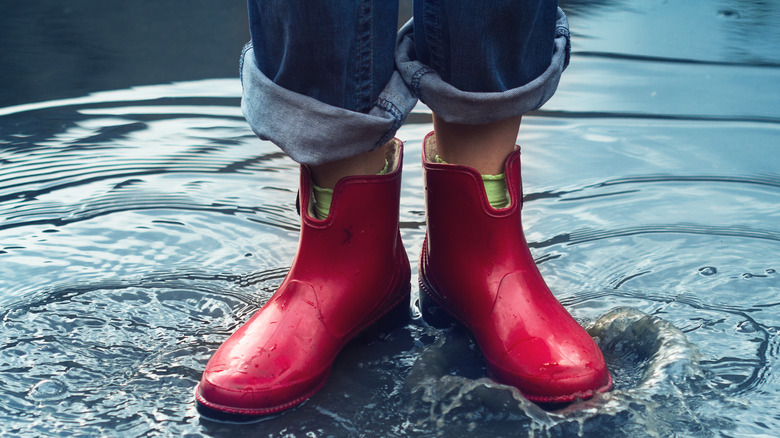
(330, 83)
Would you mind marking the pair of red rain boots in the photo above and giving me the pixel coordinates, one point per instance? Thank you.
(351, 269)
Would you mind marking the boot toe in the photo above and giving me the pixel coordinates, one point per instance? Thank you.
(552, 375)
(237, 392)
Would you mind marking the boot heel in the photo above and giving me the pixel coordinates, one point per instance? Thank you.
(398, 316)
(433, 314)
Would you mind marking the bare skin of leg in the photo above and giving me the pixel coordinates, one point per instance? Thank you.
(482, 147)
(368, 163)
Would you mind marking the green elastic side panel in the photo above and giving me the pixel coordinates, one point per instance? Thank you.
(322, 199)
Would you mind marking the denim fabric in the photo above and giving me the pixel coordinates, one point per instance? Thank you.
(320, 80)
(484, 46)
(475, 107)
(339, 52)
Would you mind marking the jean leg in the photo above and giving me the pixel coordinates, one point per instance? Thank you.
(480, 62)
(319, 78)
(339, 52)
(485, 46)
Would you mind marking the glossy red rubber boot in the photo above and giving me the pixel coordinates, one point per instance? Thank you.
(350, 269)
(476, 265)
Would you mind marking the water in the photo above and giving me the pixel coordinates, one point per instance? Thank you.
(139, 227)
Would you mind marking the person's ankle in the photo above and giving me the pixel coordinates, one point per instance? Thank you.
(326, 175)
(483, 147)
(323, 197)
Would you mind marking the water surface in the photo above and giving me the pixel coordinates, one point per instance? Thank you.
(140, 226)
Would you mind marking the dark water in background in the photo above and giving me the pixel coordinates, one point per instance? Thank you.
(140, 225)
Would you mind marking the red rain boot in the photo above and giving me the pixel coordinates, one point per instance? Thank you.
(475, 263)
(350, 269)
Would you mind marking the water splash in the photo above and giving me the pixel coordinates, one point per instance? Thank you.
(655, 367)
(659, 354)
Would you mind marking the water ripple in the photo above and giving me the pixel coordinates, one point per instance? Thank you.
(657, 59)
(139, 228)
(61, 215)
(582, 236)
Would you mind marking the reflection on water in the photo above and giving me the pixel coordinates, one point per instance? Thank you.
(719, 31)
(53, 49)
(139, 227)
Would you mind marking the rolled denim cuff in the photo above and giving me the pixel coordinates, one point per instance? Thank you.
(313, 132)
(456, 106)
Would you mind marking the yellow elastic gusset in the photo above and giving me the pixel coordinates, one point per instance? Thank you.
(495, 187)
(322, 200)
(385, 170)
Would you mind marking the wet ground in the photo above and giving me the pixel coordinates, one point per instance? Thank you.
(142, 222)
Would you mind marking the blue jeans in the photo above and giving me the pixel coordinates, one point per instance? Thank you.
(326, 80)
